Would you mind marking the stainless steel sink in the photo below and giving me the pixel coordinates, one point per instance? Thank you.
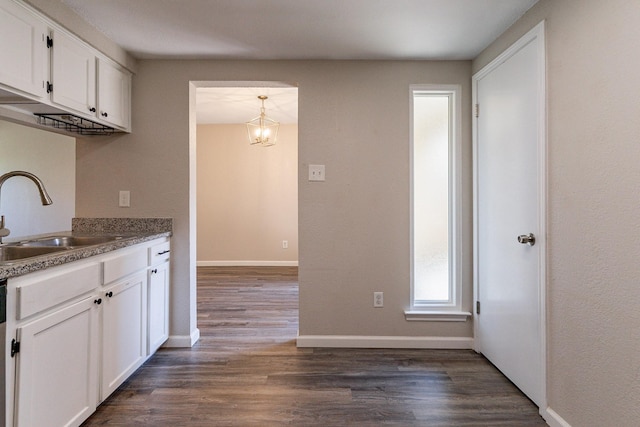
(48, 245)
(13, 253)
(68, 241)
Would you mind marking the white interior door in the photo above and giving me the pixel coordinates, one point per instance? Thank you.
(509, 202)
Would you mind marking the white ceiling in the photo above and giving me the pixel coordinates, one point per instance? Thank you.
(216, 105)
(301, 29)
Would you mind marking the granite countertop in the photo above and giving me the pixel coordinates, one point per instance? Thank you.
(130, 231)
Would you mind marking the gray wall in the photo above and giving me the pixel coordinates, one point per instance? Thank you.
(52, 158)
(594, 204)
(353, 228)
(247, 197)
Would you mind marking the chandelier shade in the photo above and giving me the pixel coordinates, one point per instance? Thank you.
(262, 130)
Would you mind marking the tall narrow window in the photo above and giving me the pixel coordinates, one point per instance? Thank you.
(435, 221)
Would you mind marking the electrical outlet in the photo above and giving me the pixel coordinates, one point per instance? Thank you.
(285, 244)
(378, 299)
(124, 199)
(316, 172)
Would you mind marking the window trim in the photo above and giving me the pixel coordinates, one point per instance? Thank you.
(452, 309)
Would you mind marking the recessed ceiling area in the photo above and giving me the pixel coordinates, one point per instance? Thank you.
(302, 29)
(232, 105)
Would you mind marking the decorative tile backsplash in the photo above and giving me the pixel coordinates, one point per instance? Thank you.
(122, 225)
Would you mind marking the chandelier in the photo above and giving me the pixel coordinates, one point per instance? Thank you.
(262, 130)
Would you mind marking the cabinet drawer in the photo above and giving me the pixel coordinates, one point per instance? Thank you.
(159, 253)
(124, 264)
(39, 295)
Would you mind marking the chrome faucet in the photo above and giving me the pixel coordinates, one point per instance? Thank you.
(44, 196)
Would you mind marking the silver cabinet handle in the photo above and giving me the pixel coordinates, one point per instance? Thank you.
(527, 239)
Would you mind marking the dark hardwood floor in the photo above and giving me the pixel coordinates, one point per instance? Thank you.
(247, 371)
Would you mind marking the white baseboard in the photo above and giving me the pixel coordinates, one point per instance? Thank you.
(247, 263)
(183, 341)
(354, 341)
(552, 418)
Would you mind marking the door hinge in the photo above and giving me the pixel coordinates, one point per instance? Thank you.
(477, 307)
(15, 347)
(49, 42)
(49, 87)
(476, 110)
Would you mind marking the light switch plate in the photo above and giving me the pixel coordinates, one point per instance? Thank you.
(316, 172)
(124, 199)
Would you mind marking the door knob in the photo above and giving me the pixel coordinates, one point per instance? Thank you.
(527, 239)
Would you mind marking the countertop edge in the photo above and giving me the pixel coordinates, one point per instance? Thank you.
(29, 265)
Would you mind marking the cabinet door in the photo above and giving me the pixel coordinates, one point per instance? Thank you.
(114, 94)
(23, 49)
(158, 297)
(73, 70)
(123, 331)
(56, 377)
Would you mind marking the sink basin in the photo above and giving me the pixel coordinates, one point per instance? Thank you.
(13, 253)
(67, 241)
(48, 245)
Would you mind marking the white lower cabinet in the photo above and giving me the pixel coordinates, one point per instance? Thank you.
(82, 329)
(158, 297)
(56, 375)
(124, 310)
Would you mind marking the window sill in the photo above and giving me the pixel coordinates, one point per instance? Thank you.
(436, 316)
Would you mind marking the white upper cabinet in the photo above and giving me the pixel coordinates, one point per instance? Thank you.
(73, 73)
(23, 50)
(43, 61)
(89, 84)
(114, 94)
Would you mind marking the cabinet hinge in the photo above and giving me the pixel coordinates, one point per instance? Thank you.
(15, 347)
(49, 42)
(49, 87)
(476, 110)
(477, 307)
